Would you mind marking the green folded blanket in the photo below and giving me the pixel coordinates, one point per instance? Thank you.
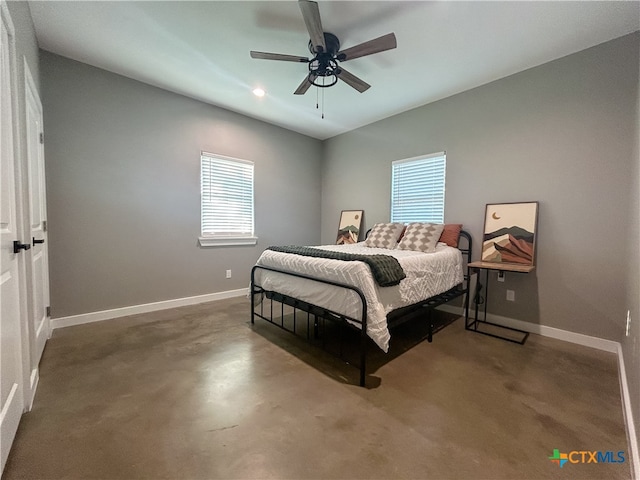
(386, 270)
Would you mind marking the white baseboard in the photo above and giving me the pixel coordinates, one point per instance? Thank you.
(587, 341)
(627, 409)
(552, 332)
(91, 317)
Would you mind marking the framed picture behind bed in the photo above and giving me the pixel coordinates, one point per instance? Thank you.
(349, 226)
(510, 233)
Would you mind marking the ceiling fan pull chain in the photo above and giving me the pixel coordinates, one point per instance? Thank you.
(322, 99)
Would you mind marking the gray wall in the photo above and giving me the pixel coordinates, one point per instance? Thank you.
(562, 134)
(123, 189)
(631, 344)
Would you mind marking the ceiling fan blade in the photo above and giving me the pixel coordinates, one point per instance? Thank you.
(380, 44)
(278, 56)
(311, 16)
(306, 83)
(353, 81)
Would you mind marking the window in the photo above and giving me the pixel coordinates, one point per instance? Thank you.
(417, 189)
(226, 201)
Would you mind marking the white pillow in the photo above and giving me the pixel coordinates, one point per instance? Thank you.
(421, 237)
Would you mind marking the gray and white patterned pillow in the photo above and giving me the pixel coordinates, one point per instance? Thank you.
(421, 237)
(384, 235)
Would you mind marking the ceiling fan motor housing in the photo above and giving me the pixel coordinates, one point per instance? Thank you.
(331, 42)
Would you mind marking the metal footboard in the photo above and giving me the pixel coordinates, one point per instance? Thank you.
(310, 309)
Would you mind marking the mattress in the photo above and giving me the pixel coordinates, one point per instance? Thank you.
(427, 275)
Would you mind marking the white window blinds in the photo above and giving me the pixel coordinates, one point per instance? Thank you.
(226, 196)
(417, 189)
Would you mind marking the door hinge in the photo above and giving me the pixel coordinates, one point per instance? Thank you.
(48, 311)
(44, 225)
(41, 137)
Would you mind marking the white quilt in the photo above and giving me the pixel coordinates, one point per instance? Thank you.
(428, 274)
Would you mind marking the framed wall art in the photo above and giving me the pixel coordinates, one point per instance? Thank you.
(510, 233)
(349, 226)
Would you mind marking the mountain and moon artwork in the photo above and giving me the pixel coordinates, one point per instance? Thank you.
(510, 233)
(349, 227)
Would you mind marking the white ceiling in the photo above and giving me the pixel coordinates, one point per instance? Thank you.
(201, 49)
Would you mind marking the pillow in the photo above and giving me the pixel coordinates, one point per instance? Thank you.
(384, 235)
(404, 229)
(421, 237)
(451, 234)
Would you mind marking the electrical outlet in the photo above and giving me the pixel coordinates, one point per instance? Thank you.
(228, 273)
(501, 276)
(511, 295)
(628, 327)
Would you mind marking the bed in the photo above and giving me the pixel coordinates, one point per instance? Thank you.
(345, 289)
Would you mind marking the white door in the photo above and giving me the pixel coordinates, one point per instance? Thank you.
(11, 264)
(39, 278)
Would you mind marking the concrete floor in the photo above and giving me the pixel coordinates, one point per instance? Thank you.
(197, 392)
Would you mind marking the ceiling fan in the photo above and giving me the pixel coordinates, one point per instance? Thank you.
(324, 69)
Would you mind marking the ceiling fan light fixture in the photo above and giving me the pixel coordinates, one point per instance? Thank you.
(323, 71)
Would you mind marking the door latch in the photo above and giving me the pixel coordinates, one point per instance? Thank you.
(36, 241)
(17, 246)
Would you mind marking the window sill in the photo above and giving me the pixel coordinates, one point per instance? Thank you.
(226, 241)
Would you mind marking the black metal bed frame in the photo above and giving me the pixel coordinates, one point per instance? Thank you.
(394, 318)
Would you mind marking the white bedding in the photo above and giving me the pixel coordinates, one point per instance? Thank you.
(428, 274)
